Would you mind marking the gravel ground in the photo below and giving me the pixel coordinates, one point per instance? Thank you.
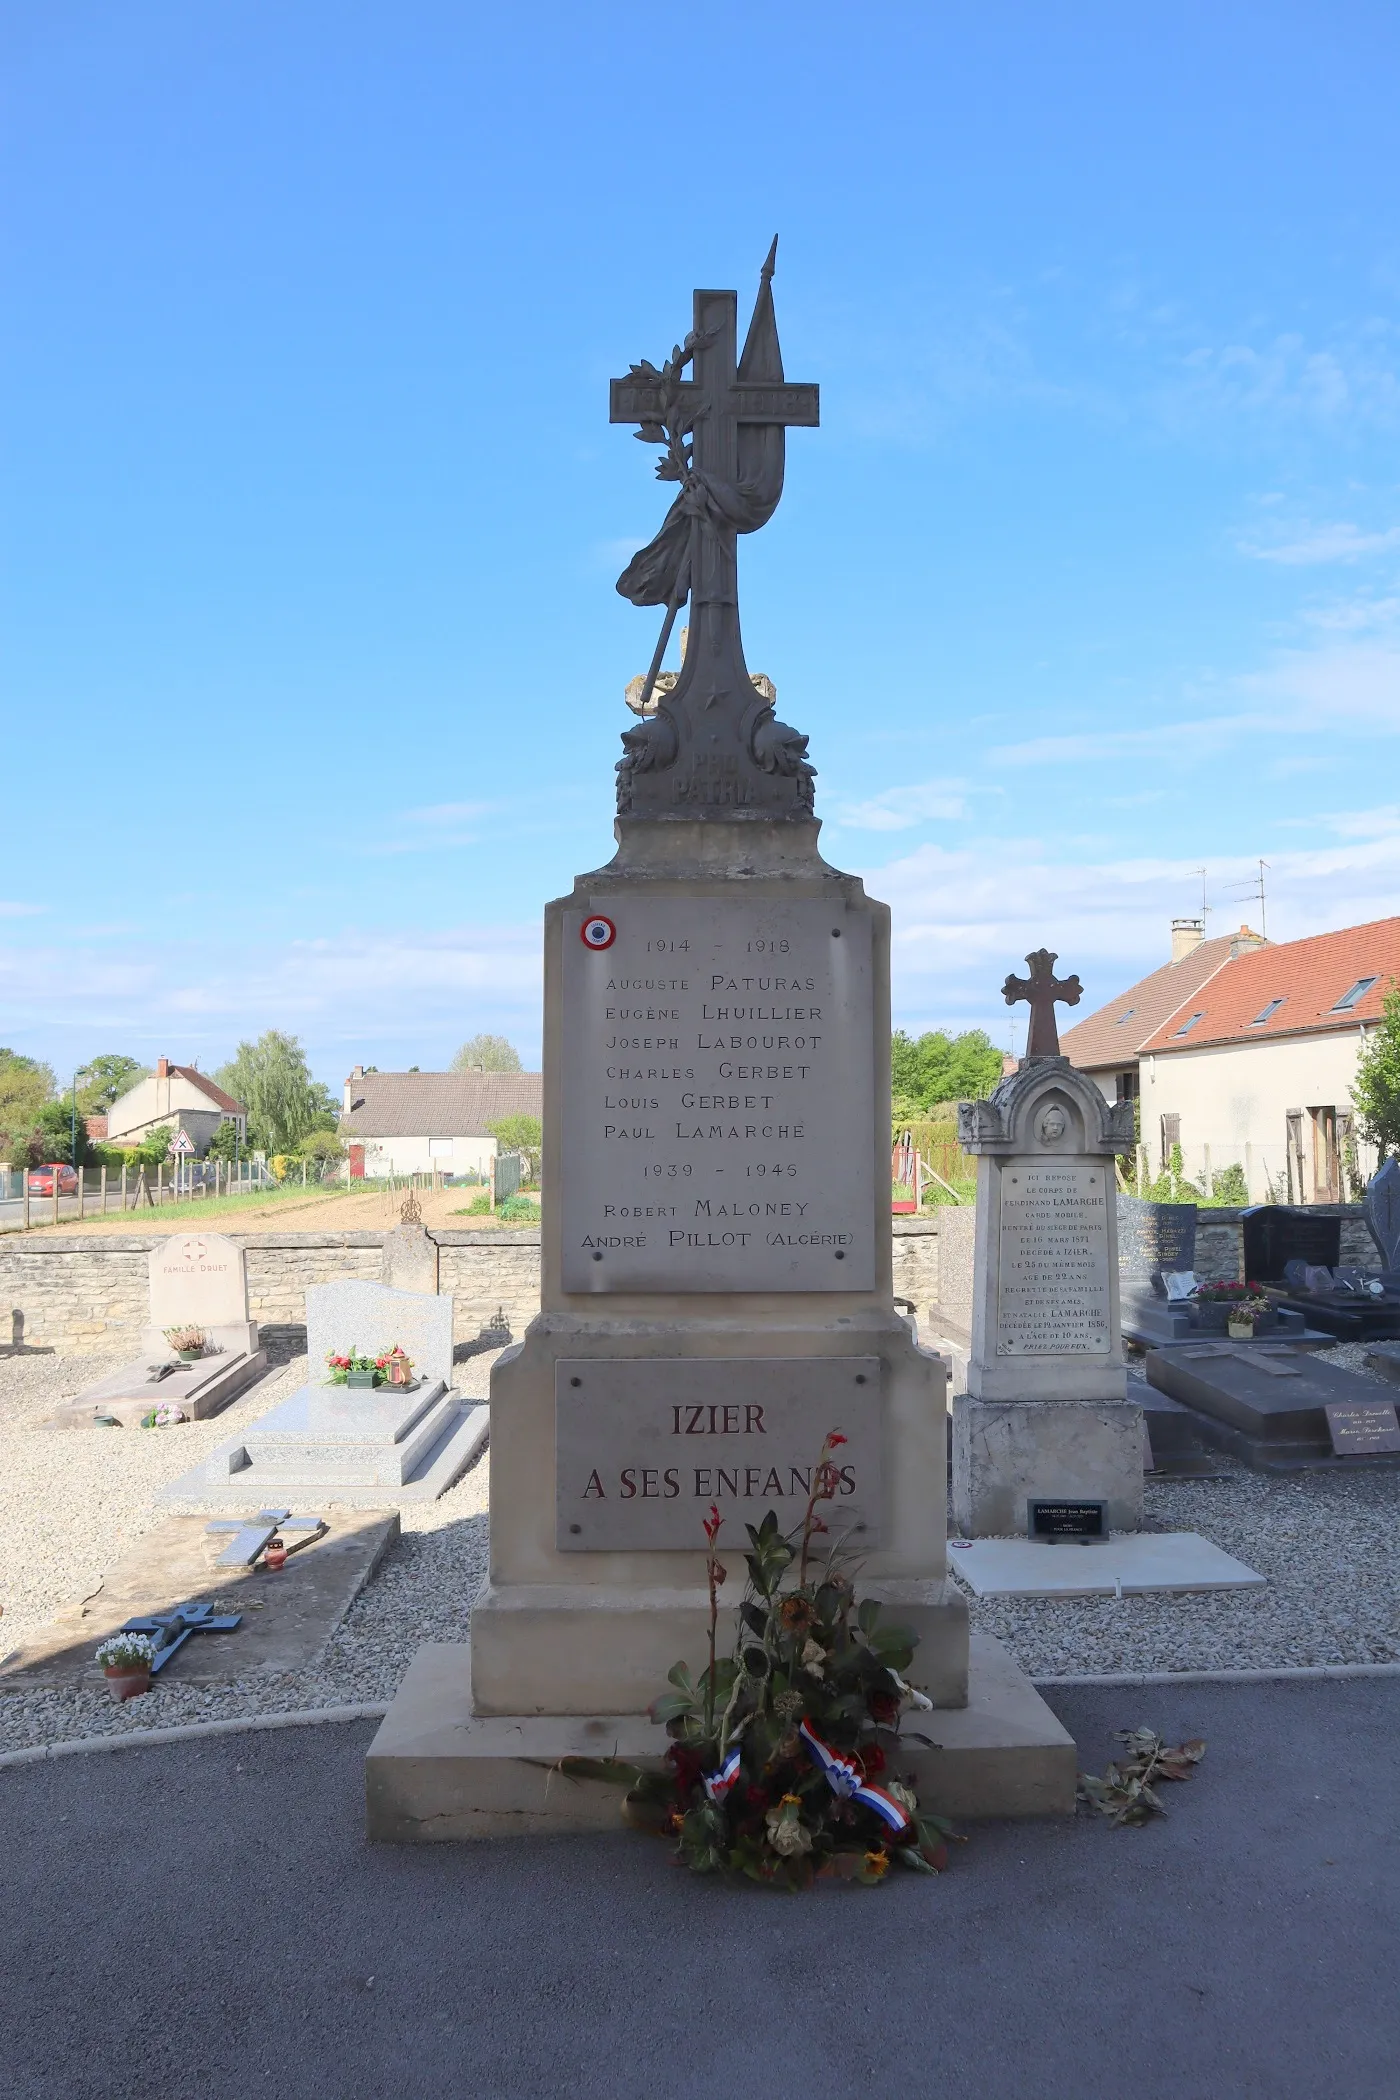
(1329, 1544)
(73, 1502)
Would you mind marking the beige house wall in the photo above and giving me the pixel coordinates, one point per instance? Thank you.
(1234, 1100)
(424, 1155)
(170, 1100)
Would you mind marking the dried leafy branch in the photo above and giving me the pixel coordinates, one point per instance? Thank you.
(1126, 1793)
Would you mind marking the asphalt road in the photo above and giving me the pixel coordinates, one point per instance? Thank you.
(206, 1921)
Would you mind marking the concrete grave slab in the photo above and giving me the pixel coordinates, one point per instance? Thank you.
(1266, 1406)
(288, 1616)
(359, 1450)
(1129, 1566)
(198, 1390)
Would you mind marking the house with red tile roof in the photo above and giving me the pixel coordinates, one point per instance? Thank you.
(1246, 1059)
(182, 1098)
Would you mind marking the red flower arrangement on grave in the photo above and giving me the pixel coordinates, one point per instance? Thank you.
(1227, 1293)
(779, 1764)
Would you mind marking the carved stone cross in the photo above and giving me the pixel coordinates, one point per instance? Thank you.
(1041, 990)
(712, 745)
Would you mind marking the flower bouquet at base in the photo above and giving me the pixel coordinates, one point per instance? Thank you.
(784, 1757)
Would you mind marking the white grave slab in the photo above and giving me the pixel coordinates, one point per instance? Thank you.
(1128, 1566)
(718, 1097)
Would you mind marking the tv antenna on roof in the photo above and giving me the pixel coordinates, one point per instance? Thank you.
(1204, 906)
(1255, 888)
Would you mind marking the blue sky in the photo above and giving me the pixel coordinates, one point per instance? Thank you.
(312, 662)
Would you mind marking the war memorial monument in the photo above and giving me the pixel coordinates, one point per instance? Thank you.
(717, 1290)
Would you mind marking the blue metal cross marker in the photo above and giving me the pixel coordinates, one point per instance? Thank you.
(173, 1628)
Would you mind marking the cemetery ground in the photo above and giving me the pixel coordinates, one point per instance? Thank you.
(290, 1209)
(206, 1918)
(76, 1504)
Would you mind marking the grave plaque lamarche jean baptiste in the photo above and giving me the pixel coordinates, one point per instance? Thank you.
(716, 1292)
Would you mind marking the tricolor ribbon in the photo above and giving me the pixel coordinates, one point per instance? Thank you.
(717, 1784)
(844, 1778)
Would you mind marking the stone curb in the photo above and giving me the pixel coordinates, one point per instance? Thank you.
(1303, 1673)
(193, 1731)
(375, 1710)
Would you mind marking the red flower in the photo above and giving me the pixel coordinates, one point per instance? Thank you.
(884, 1706)
(712, 1523)
(836, 1438)
(686, 1766)
(872, 1758)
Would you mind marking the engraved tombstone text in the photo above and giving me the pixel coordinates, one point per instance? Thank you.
(718, 1097)
(1053, 1285)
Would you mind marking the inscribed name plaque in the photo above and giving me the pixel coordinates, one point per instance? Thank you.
(643, 1447)
(1362, 1427)
(719, 1094)
(1053, 1285)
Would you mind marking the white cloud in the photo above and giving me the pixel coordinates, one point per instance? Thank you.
(964, 917)
(1323, 543)
(897, 809)
(14, 910)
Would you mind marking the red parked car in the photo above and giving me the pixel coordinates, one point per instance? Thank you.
(41, 1180)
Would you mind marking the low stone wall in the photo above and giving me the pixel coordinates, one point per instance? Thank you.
(89, 1293)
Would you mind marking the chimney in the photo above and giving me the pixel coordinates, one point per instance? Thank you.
(162, 1068)
(1187, 934)
(358, 1073)
(1244, 940)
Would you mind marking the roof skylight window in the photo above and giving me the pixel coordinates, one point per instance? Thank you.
(1267, 1015)
(1127, 1015)
(1187, 1026)
(1358, 991)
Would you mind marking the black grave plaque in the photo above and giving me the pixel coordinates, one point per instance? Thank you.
(1274, 1234)
(1155, 1238)
(1363, 1426)
(1074, 1521)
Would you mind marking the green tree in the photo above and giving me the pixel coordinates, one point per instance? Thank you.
(1375, 1091)
(491, 1052)
(935, 1067)
(106, 1079)
(61, 1130)
(25, 1086)
(224, 1143)
(273, 1081)
(519, 1134)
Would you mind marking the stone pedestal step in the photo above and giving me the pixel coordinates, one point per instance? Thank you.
(458, 1441)
(436, 1770)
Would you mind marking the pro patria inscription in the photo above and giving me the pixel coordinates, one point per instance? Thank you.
(644, 1448)
(1053, 1284)
(718, 1097)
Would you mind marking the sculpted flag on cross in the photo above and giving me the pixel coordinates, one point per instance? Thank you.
(713, 746)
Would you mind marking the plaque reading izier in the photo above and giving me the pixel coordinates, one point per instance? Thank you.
(645, 1445)
(1052, 1289)
(718, 1112)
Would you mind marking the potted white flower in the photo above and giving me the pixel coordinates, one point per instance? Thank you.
(126, 1660)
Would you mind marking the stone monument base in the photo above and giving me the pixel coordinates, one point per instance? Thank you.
(1006, 1451)
(437, 1769)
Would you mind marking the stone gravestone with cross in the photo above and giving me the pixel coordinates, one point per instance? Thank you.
(1046, 1415)
(717, 1289)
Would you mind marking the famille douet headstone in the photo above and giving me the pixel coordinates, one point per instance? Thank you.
(196, 1281)
(717, 1286)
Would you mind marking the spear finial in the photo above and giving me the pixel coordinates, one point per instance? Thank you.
(767, 271)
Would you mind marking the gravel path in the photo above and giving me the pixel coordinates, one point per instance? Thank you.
(72, 1502)
(1329, 1544)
